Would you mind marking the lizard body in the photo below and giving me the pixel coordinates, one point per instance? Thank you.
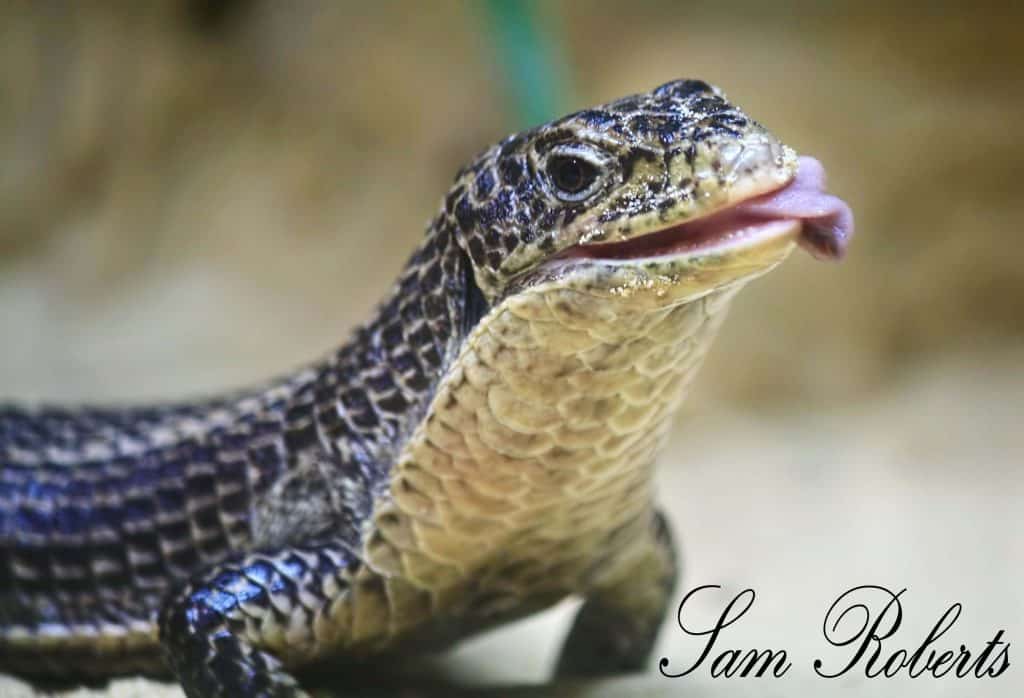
(479, 450)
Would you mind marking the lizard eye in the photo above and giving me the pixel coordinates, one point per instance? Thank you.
(574, 173)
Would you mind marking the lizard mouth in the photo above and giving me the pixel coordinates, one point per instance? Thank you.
(821, 222)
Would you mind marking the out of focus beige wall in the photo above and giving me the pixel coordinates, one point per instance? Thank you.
(194, 195)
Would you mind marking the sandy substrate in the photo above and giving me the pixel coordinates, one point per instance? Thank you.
(919, 488)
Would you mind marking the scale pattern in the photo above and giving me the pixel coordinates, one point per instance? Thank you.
(478, 450)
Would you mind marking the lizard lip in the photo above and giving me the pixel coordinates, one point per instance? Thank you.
(825, 223)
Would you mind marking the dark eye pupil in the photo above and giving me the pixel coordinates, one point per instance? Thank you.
(572, 174)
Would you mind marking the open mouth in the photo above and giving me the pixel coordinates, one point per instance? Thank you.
(825, 223)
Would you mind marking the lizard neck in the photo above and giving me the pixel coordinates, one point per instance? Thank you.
(347, 419)
(382, 381)
(539, 443)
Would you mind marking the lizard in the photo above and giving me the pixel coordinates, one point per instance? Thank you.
(480, 449)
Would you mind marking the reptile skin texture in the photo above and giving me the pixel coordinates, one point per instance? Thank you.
(480, 449)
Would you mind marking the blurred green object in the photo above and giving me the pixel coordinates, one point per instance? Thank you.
(529, 57)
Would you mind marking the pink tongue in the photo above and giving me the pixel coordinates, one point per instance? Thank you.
(828, 221)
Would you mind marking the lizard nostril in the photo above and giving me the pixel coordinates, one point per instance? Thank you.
(747, 158)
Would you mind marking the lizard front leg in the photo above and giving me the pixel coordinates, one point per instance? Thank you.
(232, 630)
(617, 626)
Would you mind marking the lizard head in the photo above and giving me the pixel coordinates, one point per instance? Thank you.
(665, 195)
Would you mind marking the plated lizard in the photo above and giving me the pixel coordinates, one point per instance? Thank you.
(477, 451)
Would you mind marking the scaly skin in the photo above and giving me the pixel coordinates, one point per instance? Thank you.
(479, 450)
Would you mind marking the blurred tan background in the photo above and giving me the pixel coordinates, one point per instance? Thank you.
(195, 195)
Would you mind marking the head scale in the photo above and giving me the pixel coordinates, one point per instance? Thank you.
(605, 174)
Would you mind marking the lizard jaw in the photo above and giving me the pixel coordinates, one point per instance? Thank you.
(821, 223)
